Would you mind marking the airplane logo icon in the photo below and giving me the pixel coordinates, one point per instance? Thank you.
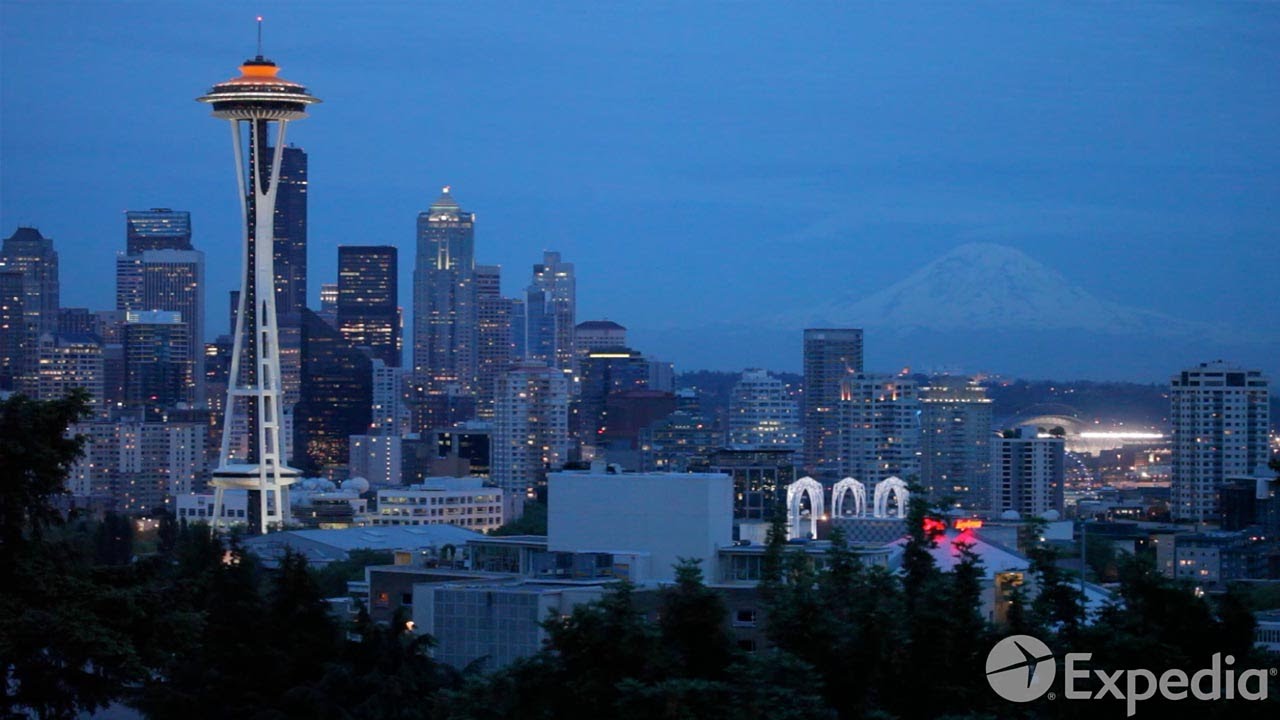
(1020, 668)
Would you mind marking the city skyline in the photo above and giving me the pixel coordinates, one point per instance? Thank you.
(1131, 201)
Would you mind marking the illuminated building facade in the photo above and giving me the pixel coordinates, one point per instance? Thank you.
(32, 256)
(167, 279)
(66, 362)
(13, 341)
(550, 309)
(157, 361)
(879, 431)
(157, 229)
(444, 296)
(336, 400)
(368, 292)
(831, 356)
(1220, 415)
(530, 430)
(762, 416)
(495, 347)
(956, 421)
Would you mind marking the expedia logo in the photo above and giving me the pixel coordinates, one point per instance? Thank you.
(1020, 668)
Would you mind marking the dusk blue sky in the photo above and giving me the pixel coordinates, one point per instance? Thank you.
(701, 163)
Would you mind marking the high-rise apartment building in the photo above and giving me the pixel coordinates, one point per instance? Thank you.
(444, 306)
(1220, 417)
(157, 361)
(368, 292)
(164, 275)
(550, 309)
(157, 229)
(831, 356)
(530, 431)
(66, 362)
(762, 416)
(390, 415)
(495, 348)
(879, 431)
(955, 441)
(1027, 471)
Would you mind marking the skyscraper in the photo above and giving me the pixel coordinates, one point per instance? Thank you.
(157, 229)
(598, 335)
(530, 431)
(162, 272)
(879, 430)
(955, 453)
(495, 349)
(368, 292)
(605, 372)
(831, 356)
(290, 231)
(336, 399)
(550, 309)
(761, 415)
(1028, 472)
(13, 330)
(32, 255)
(258, 99)
(157, 360)
(444, 307)
(66, 362)
(1220, 417)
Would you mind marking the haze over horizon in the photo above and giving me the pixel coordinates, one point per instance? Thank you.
(705, 167)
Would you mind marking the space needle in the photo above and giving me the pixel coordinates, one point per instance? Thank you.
(258, 99)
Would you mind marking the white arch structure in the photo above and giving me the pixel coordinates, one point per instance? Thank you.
(890, 486)
(795, 491)
(845, 486)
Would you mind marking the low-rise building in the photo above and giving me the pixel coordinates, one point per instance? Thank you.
(465, 502)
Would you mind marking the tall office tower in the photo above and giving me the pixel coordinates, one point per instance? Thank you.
(389, 414)
(495, 349)
(530, 431)
(157, 229)
(831, 356)
(66, 362)
(13, 330)
(336, 400)
(550, 308)
(604, 373)
(171, 280)
(955, 441)
(258, 99)
(598, 335)
(1028, 472)
(681, 442)
(32, 254)
(1220, 415)
(761, 414)
(157, 361)
(879, 430)
(444, 308)
(290, 231)
(368, 291)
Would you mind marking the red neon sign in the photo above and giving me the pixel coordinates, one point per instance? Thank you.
(932, 526)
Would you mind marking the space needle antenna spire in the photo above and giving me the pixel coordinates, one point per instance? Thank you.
(259, 36)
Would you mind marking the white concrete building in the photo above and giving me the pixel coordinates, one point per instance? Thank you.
(1027, 472)
(376, 458)
(879, 428)
(465, 502)
(761, 415)
(667, 515)
(1220, 416)
(198, 507)
(530, 430)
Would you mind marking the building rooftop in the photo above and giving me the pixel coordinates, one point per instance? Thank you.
(322, 546)
(598, 325)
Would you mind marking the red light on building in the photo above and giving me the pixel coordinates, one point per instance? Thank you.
(968, 524)
(933, 527)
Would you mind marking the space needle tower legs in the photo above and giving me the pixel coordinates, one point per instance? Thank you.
(258, 99)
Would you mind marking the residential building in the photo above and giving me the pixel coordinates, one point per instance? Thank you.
(530, 431)
(1220, 416)
(762, 414)
(879, 430)
(831, 356)
(955, 441)
(1027, 472)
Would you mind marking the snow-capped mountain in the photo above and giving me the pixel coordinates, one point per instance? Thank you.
(982, 286)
